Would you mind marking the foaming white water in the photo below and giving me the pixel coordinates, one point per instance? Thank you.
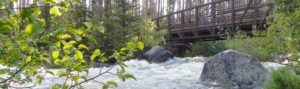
(177, 73)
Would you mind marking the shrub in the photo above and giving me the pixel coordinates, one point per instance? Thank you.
(254, 45)
(206, 48)
(283, 78)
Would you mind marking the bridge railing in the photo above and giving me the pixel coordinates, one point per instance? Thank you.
(225, 13)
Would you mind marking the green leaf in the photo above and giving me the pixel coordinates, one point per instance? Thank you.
(123, 49)
(38, 29)
(71, 30)
(104, 87)
(93, 57)
(92, 38)
(102, 29)
(55, 54)
(50, 1)
(136, 38)
(84, 78)
(129, 76)
(57, 61)
(37, 10)
(78, 37)
(79, 54)
(57, 44)
(123, 78)
(130, 45)
(59, 31)
(112, 83)
(39, 79)
(28, 59)
(88, 24)
(83, 46)
(50, 72)
(12, 12)
(47, 60)
(140, 45)
(56, 11)
(56, 86)
(97, 52)
(29, 30)
(104, 59)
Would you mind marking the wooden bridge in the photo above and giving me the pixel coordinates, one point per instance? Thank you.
(210, 20)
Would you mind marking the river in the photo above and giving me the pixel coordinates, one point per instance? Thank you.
(177, 73)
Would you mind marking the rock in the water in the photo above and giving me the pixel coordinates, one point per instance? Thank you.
(157, 54)
(231, 68)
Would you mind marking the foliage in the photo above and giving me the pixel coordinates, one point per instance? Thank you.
(283, 78)
(26, 59)
(254, 45)
(206, 48)
(145, 32)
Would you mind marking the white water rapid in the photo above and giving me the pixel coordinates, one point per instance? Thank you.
(177, 73)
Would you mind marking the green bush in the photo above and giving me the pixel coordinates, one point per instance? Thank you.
(206, 48)
(283, 78)
(254, 45)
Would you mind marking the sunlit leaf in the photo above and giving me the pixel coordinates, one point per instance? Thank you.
(56, 11)
(57, 44)
(112, 83)
(28, 59)
(82, 46)
(71, 30)
(93, 57)
(50, 1)
(136, 38)
(97, 52)
(79, 54)
(39, 79)
(29, 30)
(140, 45)
(130, 45)
(57, 61)
(37, 10)
(123, 49)
(55, 54)
(88, 24)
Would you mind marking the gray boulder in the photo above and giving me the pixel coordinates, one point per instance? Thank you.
(157, 54)
(233, 69)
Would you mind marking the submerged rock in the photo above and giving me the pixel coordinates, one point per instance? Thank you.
(157, 54)
(231, 68)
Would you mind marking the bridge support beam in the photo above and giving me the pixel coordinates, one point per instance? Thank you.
(213, 13)
(255, 13)
(197, 20)
(232, 15)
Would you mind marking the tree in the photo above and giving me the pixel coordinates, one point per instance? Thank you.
(16, 50)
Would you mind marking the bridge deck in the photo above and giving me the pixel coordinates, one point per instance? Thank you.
(212, 19)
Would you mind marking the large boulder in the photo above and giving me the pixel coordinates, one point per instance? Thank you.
(157, 54)
(233, 69)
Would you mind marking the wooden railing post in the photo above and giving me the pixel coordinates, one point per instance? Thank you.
(169, 22)
(182, 22)
(255, 12)
(197, 20)
(213, 13)
(232, 14)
